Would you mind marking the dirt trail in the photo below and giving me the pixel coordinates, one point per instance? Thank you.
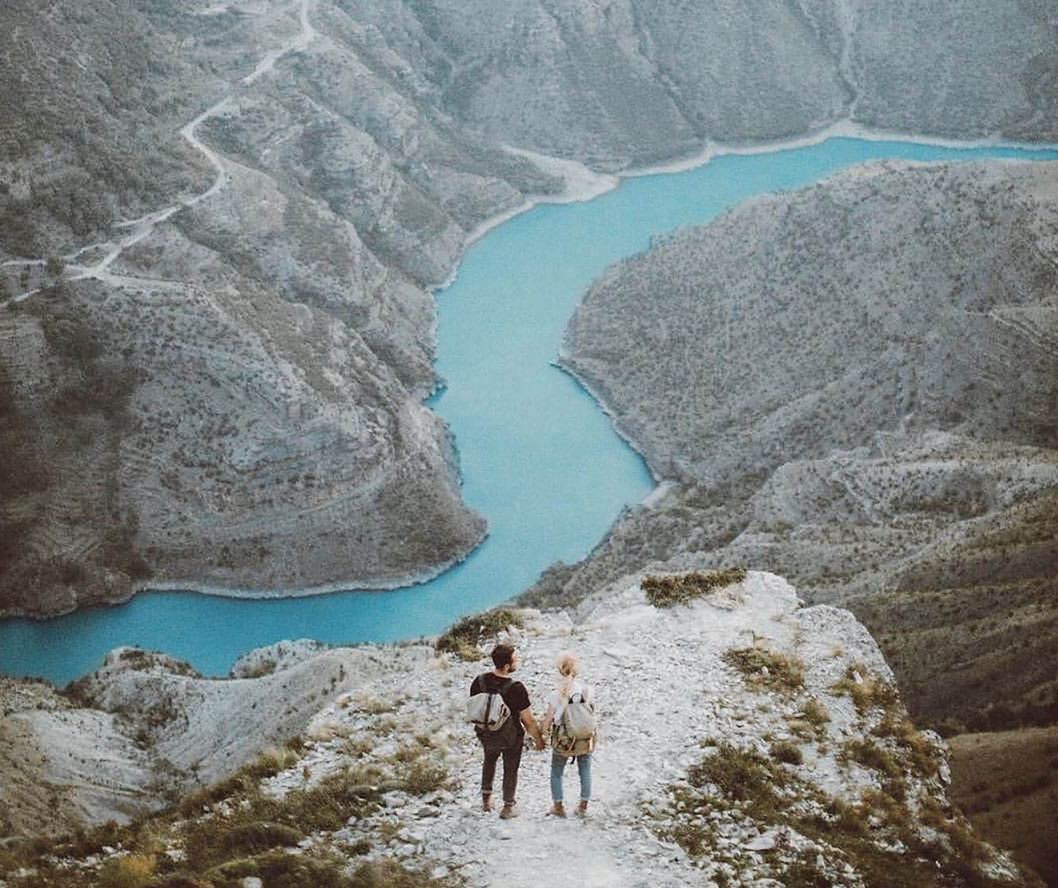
(143, 227)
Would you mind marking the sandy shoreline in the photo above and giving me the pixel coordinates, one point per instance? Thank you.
(197, 588)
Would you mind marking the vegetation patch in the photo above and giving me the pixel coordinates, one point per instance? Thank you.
(278, 869)
(811, 722)
(423, 776)
(740, 774)
(133, 871)
(764, 668)
(671, 590)
(233, 831)
(924, 757)
(787, 752)
(245, 780)
(877, 836)
(880, 759)
(866, 690)
(464, 638)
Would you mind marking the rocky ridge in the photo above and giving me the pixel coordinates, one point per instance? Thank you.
(800, 694)
(854, 384)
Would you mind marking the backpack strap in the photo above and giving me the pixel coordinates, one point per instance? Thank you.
(501, 690)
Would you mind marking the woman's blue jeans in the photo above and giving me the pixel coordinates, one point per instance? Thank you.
(558, 768)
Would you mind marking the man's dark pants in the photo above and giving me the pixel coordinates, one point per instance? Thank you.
(512, 758)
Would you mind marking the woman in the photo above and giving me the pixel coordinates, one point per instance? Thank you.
(575, 695)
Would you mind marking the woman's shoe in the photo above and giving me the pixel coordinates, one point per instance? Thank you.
(557, 810)
(582, 808)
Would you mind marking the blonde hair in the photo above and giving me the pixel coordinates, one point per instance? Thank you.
(568, 668)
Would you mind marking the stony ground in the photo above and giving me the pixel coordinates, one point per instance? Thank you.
(830, 779)
(665, 696)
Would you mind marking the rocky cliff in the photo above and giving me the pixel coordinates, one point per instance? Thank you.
(218, 221)
(856, 384)
(744, 738)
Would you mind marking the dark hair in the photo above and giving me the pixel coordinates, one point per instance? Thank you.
(502, 655)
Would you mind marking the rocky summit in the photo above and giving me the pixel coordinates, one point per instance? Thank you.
(744, 739)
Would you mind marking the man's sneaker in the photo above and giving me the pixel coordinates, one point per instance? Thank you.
(508, 812)
(486, 802)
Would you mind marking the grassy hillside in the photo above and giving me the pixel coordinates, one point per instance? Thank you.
(1007, 784)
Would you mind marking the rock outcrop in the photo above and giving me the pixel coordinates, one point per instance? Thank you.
(833, 780)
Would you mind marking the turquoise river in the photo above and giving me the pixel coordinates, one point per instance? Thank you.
(540, 460)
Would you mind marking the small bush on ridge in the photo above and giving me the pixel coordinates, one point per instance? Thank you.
(670, 590)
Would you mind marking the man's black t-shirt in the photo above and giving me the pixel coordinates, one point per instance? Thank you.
(516, 696)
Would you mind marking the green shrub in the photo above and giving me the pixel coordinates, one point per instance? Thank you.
(670, 590)
(423, 776)
(132, 871)
(740, 774)
(390, 874)
(805, 874)
(463, 638)
(253, 838)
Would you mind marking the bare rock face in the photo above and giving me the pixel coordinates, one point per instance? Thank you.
(66, 766)
(855, 384)
(885, 300)
(145, 729)
(625, 81)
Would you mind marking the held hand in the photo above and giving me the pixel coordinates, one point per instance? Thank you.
(540, 743)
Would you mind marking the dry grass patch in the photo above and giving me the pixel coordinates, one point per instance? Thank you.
(671, 590)
(465, 637)
(132, 871)
(765, 668)
(866, 689)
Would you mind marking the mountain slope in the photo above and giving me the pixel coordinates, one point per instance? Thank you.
(869, 408)
(216, 380)
(835, 782)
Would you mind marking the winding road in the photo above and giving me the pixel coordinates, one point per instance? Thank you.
(143, 227)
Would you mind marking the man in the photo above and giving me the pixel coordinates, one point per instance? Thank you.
(505, 661)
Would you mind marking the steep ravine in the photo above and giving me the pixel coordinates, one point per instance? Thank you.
(872, 411)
